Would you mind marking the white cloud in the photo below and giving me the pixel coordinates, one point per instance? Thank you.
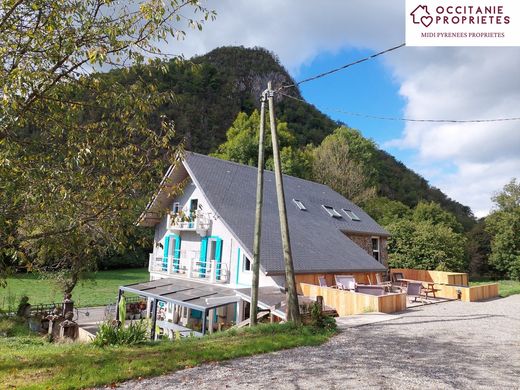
(450, 83)
(463, 83)
(298, 30)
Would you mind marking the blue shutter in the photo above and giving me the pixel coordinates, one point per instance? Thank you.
(218, 257)
(238, 266)
(203, 254)
(166, 252)
(177, 254)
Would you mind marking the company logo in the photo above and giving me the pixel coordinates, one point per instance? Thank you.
(462, 23)
(421, 15)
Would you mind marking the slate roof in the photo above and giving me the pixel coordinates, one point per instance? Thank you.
(317, 241)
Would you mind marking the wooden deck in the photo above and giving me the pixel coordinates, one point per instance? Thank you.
(349, 302)
(448, 284)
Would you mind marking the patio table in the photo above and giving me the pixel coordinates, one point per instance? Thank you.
(430, 289)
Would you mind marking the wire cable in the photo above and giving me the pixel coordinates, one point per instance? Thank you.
(318, 76)
(389, 118)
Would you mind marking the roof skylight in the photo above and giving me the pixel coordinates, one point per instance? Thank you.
(331, 211)
(351, 215)
(299, 204)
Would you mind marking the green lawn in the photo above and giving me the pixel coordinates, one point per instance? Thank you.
(30, 362)
(99, 291)
(505, 287)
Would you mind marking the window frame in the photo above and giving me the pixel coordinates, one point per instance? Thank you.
(299, 204)
(246, 259)
(353, 217)
(192, 201)
(331, 211)
(176, 205)
(378, 251)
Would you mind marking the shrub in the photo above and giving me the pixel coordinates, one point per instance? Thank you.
(110, 333)
(21, 311)
(320, 320)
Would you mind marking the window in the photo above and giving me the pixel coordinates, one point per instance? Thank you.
(331, 211)
(375, 248)
(247, 263)
(299, 204)
(351, 215)
(194, 204)
(176, 207)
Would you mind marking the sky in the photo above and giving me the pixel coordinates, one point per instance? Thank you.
(468, 162)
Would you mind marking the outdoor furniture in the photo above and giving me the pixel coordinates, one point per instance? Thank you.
(430, 289)
(372, 290)
(345, 282)
(413, 290)
(322, 282)
(397, 277)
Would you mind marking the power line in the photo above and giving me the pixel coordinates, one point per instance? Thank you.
(389, 118)
(341, 67)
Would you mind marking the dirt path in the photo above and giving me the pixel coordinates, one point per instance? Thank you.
(452, 345)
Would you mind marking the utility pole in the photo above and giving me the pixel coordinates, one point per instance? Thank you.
(258, 220)
(293, 309)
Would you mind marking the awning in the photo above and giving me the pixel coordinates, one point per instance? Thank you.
(187, 293)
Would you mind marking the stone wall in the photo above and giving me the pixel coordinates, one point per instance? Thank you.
(365, 242)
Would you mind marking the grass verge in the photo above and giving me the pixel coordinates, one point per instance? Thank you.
(100, 290)
(29, 362)
(505, 287)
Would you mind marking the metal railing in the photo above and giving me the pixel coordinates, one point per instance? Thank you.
(190, 268)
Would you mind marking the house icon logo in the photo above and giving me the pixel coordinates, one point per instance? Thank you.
(421, 15)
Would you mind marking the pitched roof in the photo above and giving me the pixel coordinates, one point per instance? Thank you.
(317, 240)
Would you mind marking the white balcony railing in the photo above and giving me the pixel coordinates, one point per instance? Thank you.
(199, 223)
(189, 267)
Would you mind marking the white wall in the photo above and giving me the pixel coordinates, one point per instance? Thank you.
(190, 241)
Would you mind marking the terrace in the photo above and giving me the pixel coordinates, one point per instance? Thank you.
(396, 295)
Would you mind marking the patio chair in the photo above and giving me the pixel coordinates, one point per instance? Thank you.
(322, 282)
(381, 282)
(413, 290)
(396, 276)
(345, 282)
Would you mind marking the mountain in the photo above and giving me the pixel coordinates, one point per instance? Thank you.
(210, 90)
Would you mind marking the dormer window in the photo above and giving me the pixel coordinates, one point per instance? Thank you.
(176, 208)
(331, 211)
(351, 215)
(299, 204)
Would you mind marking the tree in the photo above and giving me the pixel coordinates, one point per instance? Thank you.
(424, 245)
(386, 211)
(77, 154)
(504, 226)
(479, 249)
(340, 164)
(427, 238)
(242, 146)
(434, 213)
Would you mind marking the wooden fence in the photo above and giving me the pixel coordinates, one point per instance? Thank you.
(449, 284)
(349, 302)
(468, 294)
(361, 278)
(455, 278)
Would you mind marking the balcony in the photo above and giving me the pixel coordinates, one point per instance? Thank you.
(189, 266)
(181, 222)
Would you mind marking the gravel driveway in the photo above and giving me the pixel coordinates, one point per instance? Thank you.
(451, 345)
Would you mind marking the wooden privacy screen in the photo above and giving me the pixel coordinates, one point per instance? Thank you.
(455, 278)
(468, 294)
(349, 302)
(361, 278)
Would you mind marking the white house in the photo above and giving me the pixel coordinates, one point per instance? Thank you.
(204, 214)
